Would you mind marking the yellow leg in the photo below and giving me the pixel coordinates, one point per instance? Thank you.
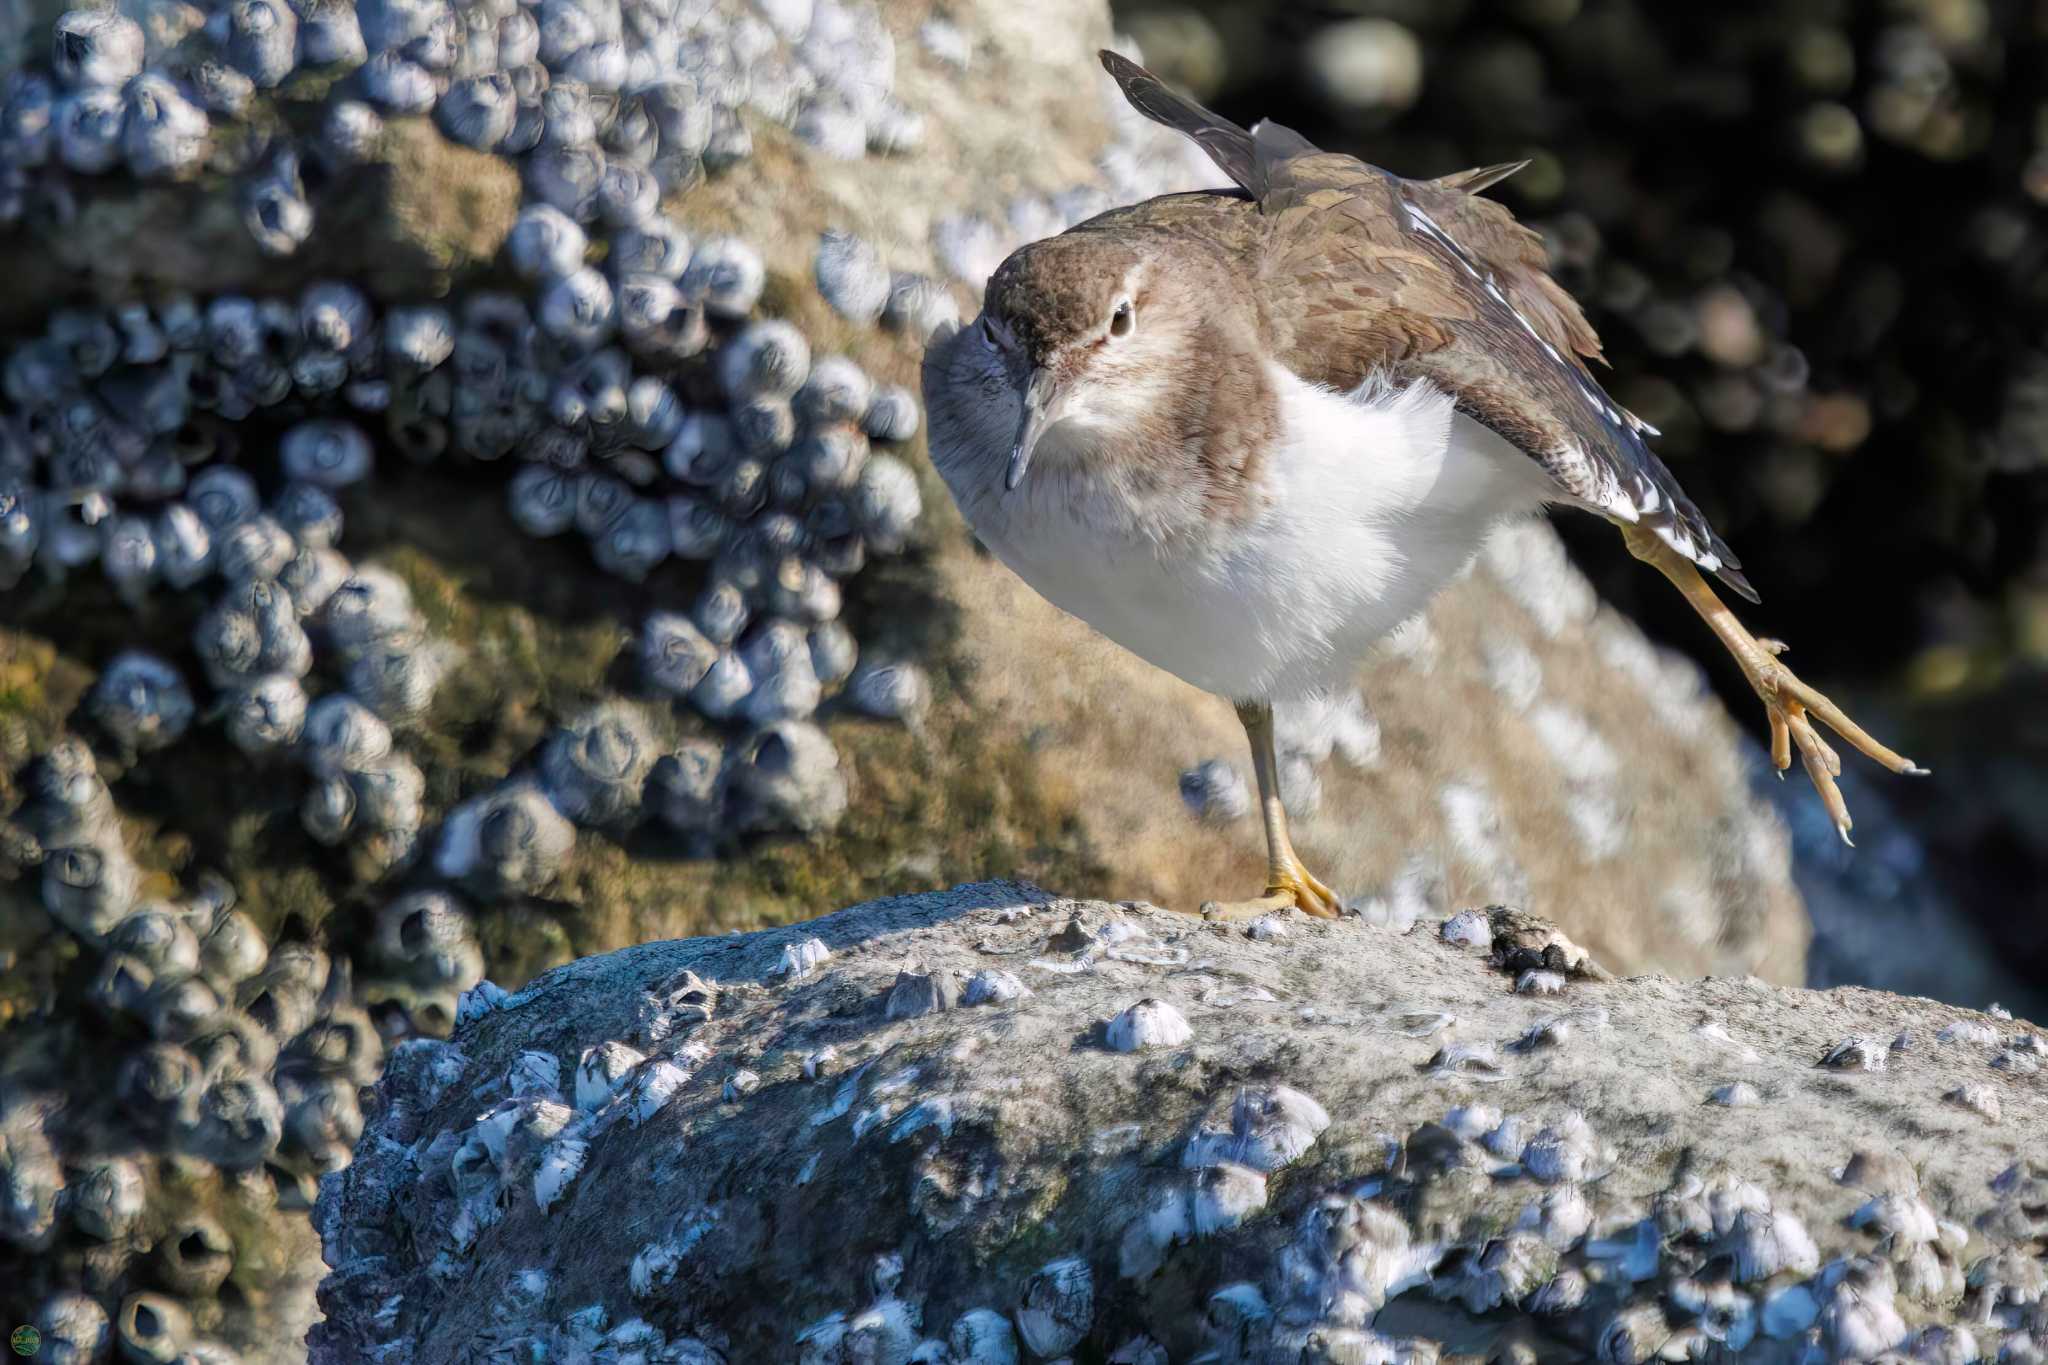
(1288, 883)
(1791, 705)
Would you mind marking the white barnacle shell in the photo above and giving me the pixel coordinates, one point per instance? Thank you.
(1505, 1271)
(851, 276)
(542, 500)
(727, 274)
(546, 243)
(1560, 1218)
(834, 652)
(787, 776)
(1904, 1218)
(674, 654)
(1634, 1336)
(427, 938)
(328, 810)
(603, 1069)
(657, 321)
(1764, 1243)
(653, 1086)
(1538, 982)
(993, 987)
(223, 496)
(1265, 1129)
(372, 605)
(1858, 1314)
(1471, 1061)
(480, 1000)
(724, 686)
(107, 1198)
(887, 503)
(1148, 1023)
(1565, 1150)
(184, 546)
(767, 359)
(270, 713)
(511, 839)
(1224, 1196)
(313, 576)
(635, 542)
(142, 701)
(326, 452)
(684, 787)
(1977, 1097)
(892, 414)
(1856, 1054)
(1058, 1307)
(95, 47)
(799, 960)
(982, 1336)
(560, 1164)
(918, 993)
(152, 1327)
(1736, 1095)
(593, 769)
(838, 390)
(1633, 1250)
(535, 1073)
(1469, 929)
(658, 247)
(255, 550)
(342, 736)
(164, 134)
(1975, 1031)
(579, 310)
(128, 556)
(889, 691)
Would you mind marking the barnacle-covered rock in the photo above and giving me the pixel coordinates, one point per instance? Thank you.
(1570, 1218)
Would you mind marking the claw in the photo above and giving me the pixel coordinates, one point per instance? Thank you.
(1790, 705)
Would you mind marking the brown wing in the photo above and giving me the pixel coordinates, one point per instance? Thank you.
(1369, 275)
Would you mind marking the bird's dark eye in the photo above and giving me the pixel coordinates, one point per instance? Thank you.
(1123, 319)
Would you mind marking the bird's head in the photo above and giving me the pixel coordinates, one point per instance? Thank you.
(1088, 328)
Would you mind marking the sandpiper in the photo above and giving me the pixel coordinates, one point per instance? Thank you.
(1247, 432)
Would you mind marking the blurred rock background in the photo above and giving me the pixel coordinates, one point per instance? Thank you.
(1811, 233)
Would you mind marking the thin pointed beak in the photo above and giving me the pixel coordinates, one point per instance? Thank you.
(1044, 404)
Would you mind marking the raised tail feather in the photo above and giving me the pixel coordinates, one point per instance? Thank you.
(1243, 156)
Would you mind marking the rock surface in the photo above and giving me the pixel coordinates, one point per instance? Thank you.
(992, 1124)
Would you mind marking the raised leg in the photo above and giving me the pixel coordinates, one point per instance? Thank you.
(1791, 705)
(1288, 883)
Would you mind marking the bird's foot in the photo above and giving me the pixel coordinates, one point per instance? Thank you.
(1792, 707)
(1290, 888)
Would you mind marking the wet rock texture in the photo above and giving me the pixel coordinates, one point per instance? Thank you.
(991, 1124)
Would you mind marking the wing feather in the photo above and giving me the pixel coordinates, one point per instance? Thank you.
(1365, 274)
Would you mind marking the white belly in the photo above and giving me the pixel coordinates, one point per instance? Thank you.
(1373, 503)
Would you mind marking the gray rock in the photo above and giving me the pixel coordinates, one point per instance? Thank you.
(1366, 1191)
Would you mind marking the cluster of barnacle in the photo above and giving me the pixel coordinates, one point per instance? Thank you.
(602, 102)
(232, 1069)
(529, 1140)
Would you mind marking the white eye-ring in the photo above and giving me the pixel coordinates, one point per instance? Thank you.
(1124, 319)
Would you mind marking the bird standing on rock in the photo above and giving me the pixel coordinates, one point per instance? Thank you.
(1246, 433)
